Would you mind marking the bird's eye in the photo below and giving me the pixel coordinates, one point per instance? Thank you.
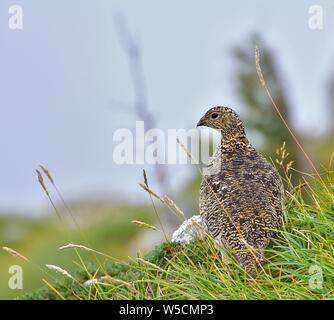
(214, 115)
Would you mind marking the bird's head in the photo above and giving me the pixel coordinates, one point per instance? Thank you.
(223, 119)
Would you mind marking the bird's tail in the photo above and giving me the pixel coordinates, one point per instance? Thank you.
(250, 259)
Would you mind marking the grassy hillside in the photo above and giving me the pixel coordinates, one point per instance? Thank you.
(108, 230)
(300, 262)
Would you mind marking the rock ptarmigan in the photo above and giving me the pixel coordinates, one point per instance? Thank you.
(241, 192)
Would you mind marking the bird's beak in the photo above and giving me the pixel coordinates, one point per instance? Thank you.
(201, 122)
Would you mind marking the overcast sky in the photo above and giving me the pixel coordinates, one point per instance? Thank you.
(62, 73)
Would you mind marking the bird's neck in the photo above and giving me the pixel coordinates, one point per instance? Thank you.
(234, 140)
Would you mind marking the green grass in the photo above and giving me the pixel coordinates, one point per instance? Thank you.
(299, 262)
(39, 239)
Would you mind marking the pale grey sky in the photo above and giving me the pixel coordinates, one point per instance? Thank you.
(60, 73)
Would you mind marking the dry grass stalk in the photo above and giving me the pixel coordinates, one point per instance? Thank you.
(82, 247)
(15, 254)
(258, 66)
(294, 137)
(116, 280)
(146, 187)
(165, 200)
(172, 205)
(75, 246)
(145, 178)
(41, 181)
(47, 173)
(150, 191)
(152, 265)
(143, 224)
(59, 270)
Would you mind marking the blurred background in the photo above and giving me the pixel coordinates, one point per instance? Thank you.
(79, 70)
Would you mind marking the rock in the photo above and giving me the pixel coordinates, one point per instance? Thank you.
(90, 282)
(189, 229)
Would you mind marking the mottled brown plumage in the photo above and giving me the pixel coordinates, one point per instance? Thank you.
(240, 196)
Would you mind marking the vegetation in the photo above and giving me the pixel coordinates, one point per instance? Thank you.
(300, 260)
(109, 230)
